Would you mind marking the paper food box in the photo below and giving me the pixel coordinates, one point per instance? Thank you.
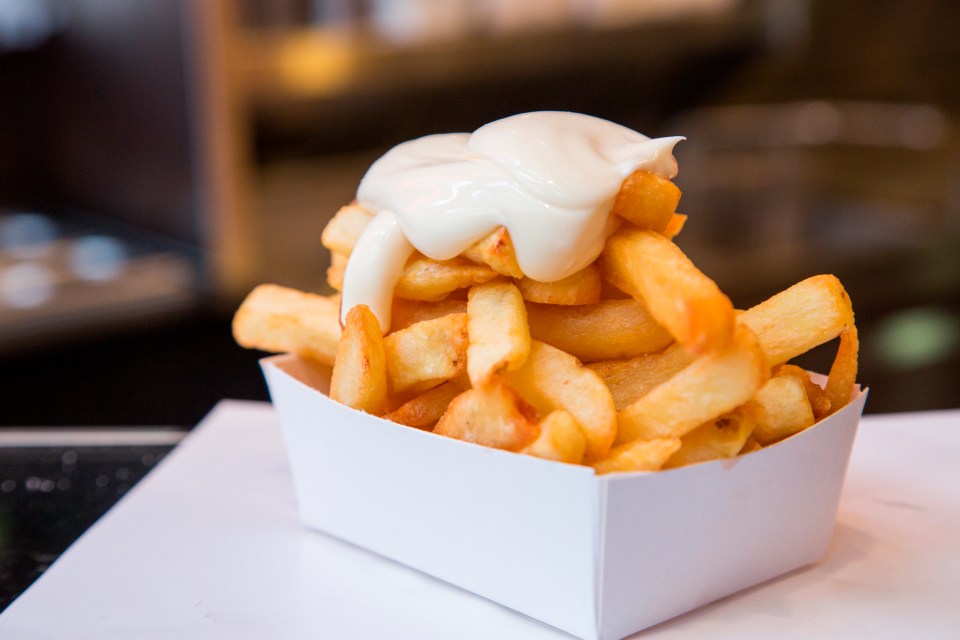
(600, 557)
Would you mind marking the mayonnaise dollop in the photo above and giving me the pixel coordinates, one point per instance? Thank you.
(549, 177)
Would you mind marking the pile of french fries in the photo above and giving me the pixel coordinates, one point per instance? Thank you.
(638, 362)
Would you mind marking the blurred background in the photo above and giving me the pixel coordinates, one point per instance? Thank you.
(159, 158)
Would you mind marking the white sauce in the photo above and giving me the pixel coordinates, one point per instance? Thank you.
(549, 177)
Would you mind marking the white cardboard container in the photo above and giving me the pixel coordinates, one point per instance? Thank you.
(599, 557)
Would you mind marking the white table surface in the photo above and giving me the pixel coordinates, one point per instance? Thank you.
(209, 546)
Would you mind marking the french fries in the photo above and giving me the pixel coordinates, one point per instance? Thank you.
(360, 370)
(608, 330)
(551, 379)
(498, 331)
(647, 200)
(492, 415)
(427, 353)
(679, 296)
(283, 320)
(479, 352)
(583, 287)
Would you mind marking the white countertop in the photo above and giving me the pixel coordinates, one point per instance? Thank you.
(209, 546)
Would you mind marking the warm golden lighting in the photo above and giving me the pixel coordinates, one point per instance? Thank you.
(314, 64)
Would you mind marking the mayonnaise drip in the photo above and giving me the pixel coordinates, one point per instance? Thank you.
(549, 177)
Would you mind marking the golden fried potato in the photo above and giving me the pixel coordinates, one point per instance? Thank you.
(498, 331)
(283, 320)
(630, 380)
(843, 372)
(675, 226)
(492, 415)
(639, 455)
(551, 379)
(427, 353)
(604, 331)
(408, 312)
(647, 200)
(799, 318)
(345, 228)
(721, 438)
(336, 270)
(715, 383)
(424, 410)
(782, 407)
(560, 439)
(433, 280)
(359, 373)
(496, 251)
(583, 287)
(679, 296)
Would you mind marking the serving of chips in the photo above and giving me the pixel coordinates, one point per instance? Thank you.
(638, 362)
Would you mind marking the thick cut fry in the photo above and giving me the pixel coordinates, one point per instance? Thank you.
(819, 401)
(639, 455)
(432, 280)
(345, 228)
(497, 326)
(647, 200)
(630, 380)
(714, 384)
(492, 415)
(782, 408)
(425, 410)
(427, 353)
(722, 438)
(560, 439)
(551, 379)
(675, 226)
(583, 287)
(359, 374)
(338, 266)
(605, 331)
(496, 251)
(843, 373)
(656, 272)
(799, 318)
(409, 312)
(282, 320)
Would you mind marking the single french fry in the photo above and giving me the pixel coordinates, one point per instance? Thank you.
(338, 266)
(675, 226)
(359, 373)
(607, 330)
(498, 331)
(424, 410)
(816, 396)
(492, 415)
(630, 380)
(583, 287)
(782, 408)
(432, 280)
(427, 353)
(843, 372)
(552, 379)
(715, 383)
(409, 312)
(679, 296)
(496, 251)
(560, 439)
(639, 455)
(283, 320)
(723, 437)
(647, 200)
(345, 228)
(799, 318)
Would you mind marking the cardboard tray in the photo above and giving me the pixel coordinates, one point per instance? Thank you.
(599, 557)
